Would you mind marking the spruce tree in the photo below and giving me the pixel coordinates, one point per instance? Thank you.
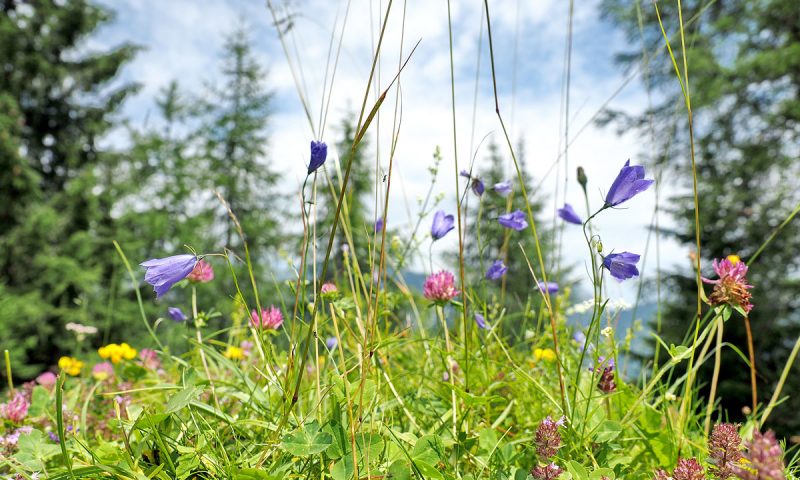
(235, 151)
(57, 101)
(744, 80)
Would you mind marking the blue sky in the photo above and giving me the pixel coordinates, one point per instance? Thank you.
(183, 40)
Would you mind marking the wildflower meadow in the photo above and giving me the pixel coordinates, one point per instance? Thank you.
(319, 333)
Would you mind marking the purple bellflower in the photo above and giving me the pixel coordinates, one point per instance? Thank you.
(567, 213)
(442, 224)
(379, 225)
(477, 185)
(496, 270)
(515, 220)
(319, 153)
(176, 314)
(622, 265)
(480, 321)
(331, 343)
(549, 287)
(502, 188)
(628, 184)
(163, 273)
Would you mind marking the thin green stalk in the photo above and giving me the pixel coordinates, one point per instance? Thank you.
(684, 83)
(776, 394)
(62, 441)
(464, 300)
(361, 129)
(715, 377)
(135, 285)
(8, 371)
(772, 235)
(531, 221)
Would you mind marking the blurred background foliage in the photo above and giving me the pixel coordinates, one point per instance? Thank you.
(744, 80)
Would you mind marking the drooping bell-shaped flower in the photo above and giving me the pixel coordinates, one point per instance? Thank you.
(319, 153)
(496, 270)
(515, 220)
(502, 188)
(549, 287)
(163, 273)
(480, 321)
(629, 182)
(622, 265)
(176, 314)
(442, 224)
(568, 214)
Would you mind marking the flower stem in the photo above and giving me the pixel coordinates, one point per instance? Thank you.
(751, 353)
(8, 371)
(449, 365)
(715, 377)
(774, 400)
(200, 347)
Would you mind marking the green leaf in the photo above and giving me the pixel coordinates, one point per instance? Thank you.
(400, 470)
(308, 440)
(150, 420)
(40, 401)
(252, 474)
(677, 351)
(343, 469)
(577, 471)
(181, 399)
(602, 472)
(609, 430)
(427, 450)
(35, 450)
(340, 445)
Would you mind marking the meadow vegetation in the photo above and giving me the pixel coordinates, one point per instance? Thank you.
(347, 366)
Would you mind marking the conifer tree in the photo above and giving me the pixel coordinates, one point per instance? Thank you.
(235, 151)
(57, 102)
(744, 81)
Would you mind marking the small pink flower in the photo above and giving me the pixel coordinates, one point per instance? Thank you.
(688, 469)
(440, 287)
(546, 472)
(731, 287)
(723, 449)
(17, 408)
(46, 379)
(329, 289)
(149, 359)
(548, 440)
(764, 458)
(247, 347)
(103, 371)
(270, 318)
(202, 272)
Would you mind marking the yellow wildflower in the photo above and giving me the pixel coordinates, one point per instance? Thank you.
(734, 259)
(546, 354)
(117, 353)
(234, 353)
(70, 365)
(128, 353)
